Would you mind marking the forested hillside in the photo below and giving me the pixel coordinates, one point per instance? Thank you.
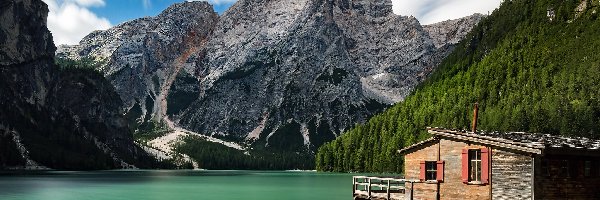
(532, 65)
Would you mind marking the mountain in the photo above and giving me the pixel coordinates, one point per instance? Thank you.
(53, 117)
(532, 65)
(451, 32)
(274, 76)
(447, 34)
(141, 58)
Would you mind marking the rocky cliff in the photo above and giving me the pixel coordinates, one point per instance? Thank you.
(293, 74)
(52, 117)
(281, 75)
(24, 28)
(447, 34)
(141, 58)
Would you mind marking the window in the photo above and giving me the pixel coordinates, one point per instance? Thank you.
(564, 168)
(575, 167)
(475, 165)
(597, 168)
(587, 168)
(430, 170)
(545, 168)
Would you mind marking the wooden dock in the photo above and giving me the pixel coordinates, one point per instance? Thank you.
(378, 188)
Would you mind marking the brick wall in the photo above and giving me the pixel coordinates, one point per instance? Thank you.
(411, 171)
(452, 187)
(511, 175)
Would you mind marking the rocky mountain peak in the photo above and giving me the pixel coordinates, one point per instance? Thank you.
(177, 18)
(142, 56)
(304, 71)
(372, 8)
(186, 9)
(451, 32)
(23, 34)
(281, 74)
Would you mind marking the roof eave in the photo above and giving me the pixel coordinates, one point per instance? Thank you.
(485, 141)
(568, 151)
(412, 148)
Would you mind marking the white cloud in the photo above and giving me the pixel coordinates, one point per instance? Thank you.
(88, 3)
(217, 2)
(70, 20)
(432, 11)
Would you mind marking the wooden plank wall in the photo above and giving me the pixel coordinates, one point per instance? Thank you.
(511, 175)
(557, 185)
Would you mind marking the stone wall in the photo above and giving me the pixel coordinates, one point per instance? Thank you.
(511, 175)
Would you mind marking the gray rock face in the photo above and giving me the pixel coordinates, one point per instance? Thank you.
(25, 39)
(285, 74)
(451, 32)
(59, 118)
(24, 28)
(142, 57)
(304, 71)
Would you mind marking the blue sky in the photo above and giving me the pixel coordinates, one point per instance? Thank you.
(118, 11)
(71, 20)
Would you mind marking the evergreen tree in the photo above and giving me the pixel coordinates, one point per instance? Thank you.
(528, 72)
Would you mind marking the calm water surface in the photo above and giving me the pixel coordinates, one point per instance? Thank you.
(197, 185)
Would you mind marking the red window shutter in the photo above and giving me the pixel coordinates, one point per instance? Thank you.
(440, 171)
(465, 165)
(422, 174)
(485, 178)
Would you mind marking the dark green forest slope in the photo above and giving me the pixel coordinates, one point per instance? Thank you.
(532, 65)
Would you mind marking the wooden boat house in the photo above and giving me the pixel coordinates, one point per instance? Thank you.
(456, 164)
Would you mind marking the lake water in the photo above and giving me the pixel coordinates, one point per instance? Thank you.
(155, 185)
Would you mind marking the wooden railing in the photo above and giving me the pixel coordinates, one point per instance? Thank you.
(365, 187)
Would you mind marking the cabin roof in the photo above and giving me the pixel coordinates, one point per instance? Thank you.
(533, 143)
(416, 146)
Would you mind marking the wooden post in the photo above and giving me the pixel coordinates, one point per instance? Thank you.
(439, 158)
(369, 187)
(388, 189)
(490, 171)
(353, 185)
(412, 186)
(533, 176)
(474, 122)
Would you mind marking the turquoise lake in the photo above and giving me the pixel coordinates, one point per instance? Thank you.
(197, 185)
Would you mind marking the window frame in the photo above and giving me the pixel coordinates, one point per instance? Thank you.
(545, 167)
(587, 168)
(431, 169)
(565, 170)
(474, 156)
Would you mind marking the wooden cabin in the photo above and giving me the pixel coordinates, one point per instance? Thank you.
(493, 165)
